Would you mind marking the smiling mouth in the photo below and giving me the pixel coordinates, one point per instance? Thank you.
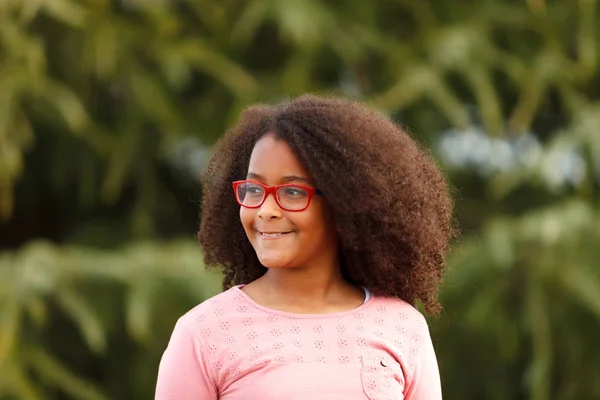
(272, 235)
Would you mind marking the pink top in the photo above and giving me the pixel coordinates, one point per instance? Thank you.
(231, 348)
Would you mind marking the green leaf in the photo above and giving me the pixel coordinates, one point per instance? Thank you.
(120, 161)
(68, 105)
(37, 311)
(539, 375)
(10, 327)
(66, 11)
(56, 373)
(251, 18)
(226, 72)
(584, 287)
(20, 384)
(500, 242)
(138, 310)
(86, 318)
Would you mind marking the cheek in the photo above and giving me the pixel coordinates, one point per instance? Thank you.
(247, 218)
(316, 222)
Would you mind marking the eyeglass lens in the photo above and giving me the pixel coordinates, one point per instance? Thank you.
(289, 197)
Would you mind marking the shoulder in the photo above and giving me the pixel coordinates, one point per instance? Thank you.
(399, 311)
(211, 312)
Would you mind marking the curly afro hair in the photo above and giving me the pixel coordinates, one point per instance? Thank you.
(390, 203)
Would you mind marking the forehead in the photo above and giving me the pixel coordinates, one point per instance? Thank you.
(272, 158)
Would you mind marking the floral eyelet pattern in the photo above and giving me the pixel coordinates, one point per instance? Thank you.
(382, 339)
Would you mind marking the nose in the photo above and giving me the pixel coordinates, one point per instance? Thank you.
(269, 209)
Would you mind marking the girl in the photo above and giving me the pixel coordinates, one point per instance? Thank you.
(330, 224)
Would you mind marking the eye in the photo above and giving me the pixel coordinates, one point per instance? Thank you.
(293, 191)
(254, 189)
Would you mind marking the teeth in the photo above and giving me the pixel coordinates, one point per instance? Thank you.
(271, 234)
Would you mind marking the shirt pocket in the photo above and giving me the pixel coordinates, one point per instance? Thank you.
(382, 378)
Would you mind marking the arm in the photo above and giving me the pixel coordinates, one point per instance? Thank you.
(425, 380)
(183, 373)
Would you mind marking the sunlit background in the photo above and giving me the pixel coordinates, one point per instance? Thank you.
(109, 109)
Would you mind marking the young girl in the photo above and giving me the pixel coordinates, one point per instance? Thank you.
(330, 224)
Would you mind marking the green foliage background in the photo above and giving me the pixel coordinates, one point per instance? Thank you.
(98, 222)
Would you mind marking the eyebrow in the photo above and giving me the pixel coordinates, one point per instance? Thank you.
(287, 178)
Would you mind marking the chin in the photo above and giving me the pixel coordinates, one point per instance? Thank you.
(275, 263)
(271, 265)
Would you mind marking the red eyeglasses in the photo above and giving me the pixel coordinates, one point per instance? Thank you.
(289, 197)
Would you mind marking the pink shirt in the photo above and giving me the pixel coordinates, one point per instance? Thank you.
(231, 348)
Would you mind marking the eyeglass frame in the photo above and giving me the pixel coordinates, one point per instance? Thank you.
(312, 191)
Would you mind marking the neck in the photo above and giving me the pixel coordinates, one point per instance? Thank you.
(303, 285)
(317, 290)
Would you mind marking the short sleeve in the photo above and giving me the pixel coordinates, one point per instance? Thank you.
(183, 371)
(425, 381)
